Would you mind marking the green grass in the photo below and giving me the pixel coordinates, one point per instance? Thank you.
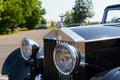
(24, 29)
(15, 32)
(19, 30)
(52, 27)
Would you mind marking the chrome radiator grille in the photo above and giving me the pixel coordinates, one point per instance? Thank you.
(50, 70)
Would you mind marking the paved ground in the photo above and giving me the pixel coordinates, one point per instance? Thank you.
(11, 42)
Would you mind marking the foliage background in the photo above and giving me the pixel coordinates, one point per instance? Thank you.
(82, 10)
(20, 13)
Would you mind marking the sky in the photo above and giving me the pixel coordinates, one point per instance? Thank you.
(54, 8)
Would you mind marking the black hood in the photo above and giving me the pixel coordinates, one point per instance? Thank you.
(85, 33)
(93, 33)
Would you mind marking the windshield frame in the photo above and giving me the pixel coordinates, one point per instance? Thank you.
(107, 9)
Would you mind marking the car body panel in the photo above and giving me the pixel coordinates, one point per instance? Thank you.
(82, 34)
(14, 67)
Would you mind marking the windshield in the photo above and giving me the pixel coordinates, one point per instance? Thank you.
(113, 16)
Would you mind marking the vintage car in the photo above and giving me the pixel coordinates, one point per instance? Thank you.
(75, 53)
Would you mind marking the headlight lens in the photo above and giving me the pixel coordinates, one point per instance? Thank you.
(26, 48)
(66, 58)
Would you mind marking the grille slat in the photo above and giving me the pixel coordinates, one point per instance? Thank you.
(105, 54)
(106, 58)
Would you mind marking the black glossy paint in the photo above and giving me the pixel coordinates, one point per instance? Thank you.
(97, 32)
(103, 55)
(113, 6)
(14, 67)
(113, 74)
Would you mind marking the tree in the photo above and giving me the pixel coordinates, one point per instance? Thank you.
(34, 18)
(52, 23)
(43, 21)
(1, 6)
(14, 13)
(82, 10)
(68, 18)
(11, 16)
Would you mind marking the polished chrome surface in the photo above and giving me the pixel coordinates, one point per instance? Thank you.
(40, 53)
(64, 34)
(38, 77)
(66, 58)
(26, 48)
(52, 37)
(73, 35)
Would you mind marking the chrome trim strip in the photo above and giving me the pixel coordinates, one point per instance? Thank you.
(72, 35)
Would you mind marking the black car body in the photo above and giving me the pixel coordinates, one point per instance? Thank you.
(99, 48)
(75, 53)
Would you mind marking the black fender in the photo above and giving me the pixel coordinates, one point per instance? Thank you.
(113, 74)
(14, 67)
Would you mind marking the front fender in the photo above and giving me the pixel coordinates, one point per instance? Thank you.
(113, 74)
(14, 67)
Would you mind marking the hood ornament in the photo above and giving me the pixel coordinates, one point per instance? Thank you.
(60, 23)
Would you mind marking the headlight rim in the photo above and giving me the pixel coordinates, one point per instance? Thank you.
(74, 53)
(30, 44)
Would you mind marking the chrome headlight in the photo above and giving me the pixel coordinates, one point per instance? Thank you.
(66, 58)
(27, 47)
